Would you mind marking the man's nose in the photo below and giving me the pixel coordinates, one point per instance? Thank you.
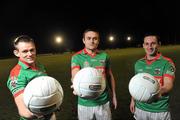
(150, 45)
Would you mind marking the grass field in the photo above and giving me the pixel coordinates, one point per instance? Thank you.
(58, 66)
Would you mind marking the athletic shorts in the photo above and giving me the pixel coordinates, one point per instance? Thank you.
(101, 112)
(145, 115)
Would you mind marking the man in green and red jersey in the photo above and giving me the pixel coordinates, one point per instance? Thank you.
(98, 108)
(163, 69)
(26, 69)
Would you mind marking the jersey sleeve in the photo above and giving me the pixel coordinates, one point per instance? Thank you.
(74, 62)
(16, 84)
(108, 63)
(136, 68)
(169, 70)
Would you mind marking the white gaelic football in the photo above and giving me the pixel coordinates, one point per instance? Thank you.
(43, 95)
(143, 86)
(89, 83)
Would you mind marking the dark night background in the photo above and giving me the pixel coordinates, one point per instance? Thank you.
(42, 20)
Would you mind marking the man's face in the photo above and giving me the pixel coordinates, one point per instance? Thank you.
(26, 51)
(91, 40)
(150, 45)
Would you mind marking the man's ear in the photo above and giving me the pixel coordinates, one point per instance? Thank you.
(143, 45)
(83, 40)
(16, 53)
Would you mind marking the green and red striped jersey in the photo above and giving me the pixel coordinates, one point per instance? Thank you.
(101, 62)
(159, 67)
(21, 75)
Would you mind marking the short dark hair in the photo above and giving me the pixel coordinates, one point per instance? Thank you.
(22, 38)
(91, 29)
(155, 35)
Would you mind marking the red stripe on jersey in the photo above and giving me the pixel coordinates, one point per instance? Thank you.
(160, 80)
(154, 59)
(18, 93)
(92, 55)
(169, 59)
(170, 76)
(100, 67)
(79, 52)
(75, 67)
(15, 71)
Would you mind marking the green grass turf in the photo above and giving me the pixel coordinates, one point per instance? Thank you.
(58, 66)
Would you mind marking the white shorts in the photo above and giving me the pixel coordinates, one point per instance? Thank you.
(145, 115)
(101, 112)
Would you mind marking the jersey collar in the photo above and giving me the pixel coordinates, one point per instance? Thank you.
(25, 65)
(154, 59)
(92, 55)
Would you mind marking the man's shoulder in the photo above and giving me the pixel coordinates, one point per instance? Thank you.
(140, 60)
(102, 53)
(167, 59)
(16, 70)
(77, 53)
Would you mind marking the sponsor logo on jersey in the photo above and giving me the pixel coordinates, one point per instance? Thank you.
(157, 71)
(140, 70)
(93, 60)
(172, 69)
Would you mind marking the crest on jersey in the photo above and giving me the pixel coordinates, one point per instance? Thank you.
(86, 64)
(14, 81)
(102, 62)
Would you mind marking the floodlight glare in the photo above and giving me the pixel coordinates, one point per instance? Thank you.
(129, 38)
(58, 40)
(111, 38)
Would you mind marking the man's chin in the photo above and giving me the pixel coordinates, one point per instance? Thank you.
(30, 61)
(152, 54)
(92, 49)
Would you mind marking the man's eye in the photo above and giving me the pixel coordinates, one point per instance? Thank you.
(146, 44)
(95, 38)
(153, 43)
(32, 50)
(25, 51)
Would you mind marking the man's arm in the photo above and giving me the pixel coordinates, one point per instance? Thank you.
(24, 112)
(22, 109)
(167, 86)
(168, 78)
(113, 85)
(132, 105)
(73, 73)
